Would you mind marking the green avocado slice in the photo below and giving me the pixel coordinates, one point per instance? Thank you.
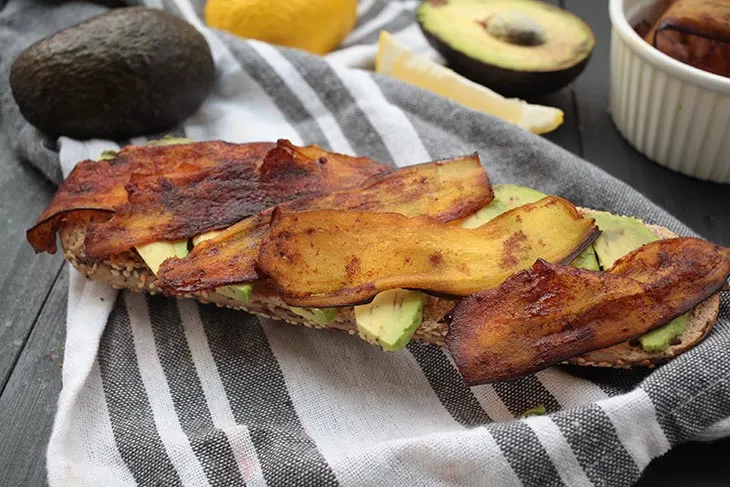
(155, 253)
(323, 316)
(391, 319)
(239, 292)
(168, 140)
(506, 197)
(586, 260)
(619, 236)
(659, 339)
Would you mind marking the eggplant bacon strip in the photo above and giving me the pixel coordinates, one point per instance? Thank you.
(550, 313)
(174, 192)
(99, 186)
(337, 258)
(444, 190)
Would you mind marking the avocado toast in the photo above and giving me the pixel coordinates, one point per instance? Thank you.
(124, 244)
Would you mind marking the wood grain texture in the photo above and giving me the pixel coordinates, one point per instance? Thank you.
(702, 205)
(28, 402)
(25, 278)
(566, 136)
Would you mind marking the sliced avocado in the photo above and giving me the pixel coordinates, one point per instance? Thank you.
(168, 140)
(323, 316)
(154, 254)
(239, 292)
(506, 197)
(659, 339)
(515, 47)
(107, 155)
(538, 410)
(136, 71)
(391, 319)
(619, 236)
(587, 260)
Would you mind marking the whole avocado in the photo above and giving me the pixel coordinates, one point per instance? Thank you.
(126, 72)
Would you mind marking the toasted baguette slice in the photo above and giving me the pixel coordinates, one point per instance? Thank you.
(128, 271)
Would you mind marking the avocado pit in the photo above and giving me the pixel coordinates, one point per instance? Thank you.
(515, 28)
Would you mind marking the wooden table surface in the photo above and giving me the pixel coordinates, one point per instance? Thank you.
(33, 288)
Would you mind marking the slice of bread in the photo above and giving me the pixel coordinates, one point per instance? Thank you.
(128, 271)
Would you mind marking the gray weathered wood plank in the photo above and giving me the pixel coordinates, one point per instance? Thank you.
(703, 206)
(29, 400)
(567, 135)
(25, 278)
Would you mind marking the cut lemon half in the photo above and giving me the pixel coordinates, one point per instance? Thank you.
(396, 60)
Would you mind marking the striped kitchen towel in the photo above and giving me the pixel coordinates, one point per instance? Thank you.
(158, 391)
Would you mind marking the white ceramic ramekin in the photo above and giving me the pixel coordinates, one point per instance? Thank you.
(675, 114)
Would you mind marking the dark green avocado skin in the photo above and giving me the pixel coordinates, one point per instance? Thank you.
(507, 82)
(127, 72)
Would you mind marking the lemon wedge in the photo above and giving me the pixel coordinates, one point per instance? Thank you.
(396, 60)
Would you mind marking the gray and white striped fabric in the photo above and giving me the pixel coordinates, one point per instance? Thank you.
(158, 391)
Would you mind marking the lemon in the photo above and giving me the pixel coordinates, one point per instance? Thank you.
(395, 60)
(317, 26)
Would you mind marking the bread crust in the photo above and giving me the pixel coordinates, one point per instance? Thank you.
(128, 271)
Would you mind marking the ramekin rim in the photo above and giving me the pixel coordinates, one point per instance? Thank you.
(649, 53)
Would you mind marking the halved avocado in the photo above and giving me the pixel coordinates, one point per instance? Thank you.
(515, 47)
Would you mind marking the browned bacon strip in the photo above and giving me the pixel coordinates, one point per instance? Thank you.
(174, 192)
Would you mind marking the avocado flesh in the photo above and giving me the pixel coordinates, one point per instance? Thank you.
(107, 155)
(239, 292)
(323, 316)
(510, 196)
(587, 260)
(168, 140)
(506, 197)
(548, 46)
(659, 339)
(619, 236)
(391, 319)
(464, 25)
(155, 253)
